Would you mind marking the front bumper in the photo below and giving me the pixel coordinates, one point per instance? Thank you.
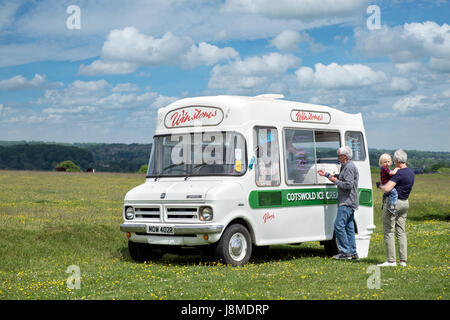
(179, 229)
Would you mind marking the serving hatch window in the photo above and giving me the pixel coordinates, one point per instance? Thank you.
(306, 151)
(198, 154)
(327, 143)
(300, 156)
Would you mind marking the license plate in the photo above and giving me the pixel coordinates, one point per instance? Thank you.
(155, 229)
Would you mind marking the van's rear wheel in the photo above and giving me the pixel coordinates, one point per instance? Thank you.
(235, 245)
(331, 247)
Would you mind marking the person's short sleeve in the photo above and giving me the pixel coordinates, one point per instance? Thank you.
(397, 177)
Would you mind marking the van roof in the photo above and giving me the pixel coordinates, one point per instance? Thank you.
(265, 108)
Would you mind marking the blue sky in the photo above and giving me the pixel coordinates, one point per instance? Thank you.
(104, 81)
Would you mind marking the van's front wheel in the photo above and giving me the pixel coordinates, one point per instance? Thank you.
(235, 245)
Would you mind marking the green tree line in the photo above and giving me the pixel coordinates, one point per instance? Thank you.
(42, 156)
(119, 157)
(101, 157)
(429, 161)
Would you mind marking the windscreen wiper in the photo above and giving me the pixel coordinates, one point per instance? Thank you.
(200, 165)
(169, 167)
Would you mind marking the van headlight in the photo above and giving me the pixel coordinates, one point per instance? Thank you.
(206, 213)
(129, 213)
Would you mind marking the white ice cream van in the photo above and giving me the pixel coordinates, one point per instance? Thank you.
(233, 174)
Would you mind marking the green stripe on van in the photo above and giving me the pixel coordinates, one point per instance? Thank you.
(301, 197)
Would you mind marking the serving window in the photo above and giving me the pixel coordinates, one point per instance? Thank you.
(307, 151)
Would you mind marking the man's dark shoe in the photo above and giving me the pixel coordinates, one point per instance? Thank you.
(355, 256)
(342, 256)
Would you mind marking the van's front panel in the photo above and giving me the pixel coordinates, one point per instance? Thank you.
(175, 211)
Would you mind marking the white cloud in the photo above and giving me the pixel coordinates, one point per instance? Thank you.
(130, 45)
(45, 50)
(207, 54)
(334, 76)
(406, 103)
(446, 94)
(83, 97)
(118, 101)
(253, 72)
(305, 10)
(30, 118)
(82, 87)
(6, 111)
(91, 109)
(401, 85)
(7, 12)
(124, 87)
(125, 50)
(408, 67)
(288, 40)
(433, 38)
(76, 94)
(161, 101)
(42, 31)
(418, 104)
(98, 67)
(406, 43)
(66, 111)
(440, 65)
(20, 83)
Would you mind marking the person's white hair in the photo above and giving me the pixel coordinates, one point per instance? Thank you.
(346, 151)
(400, 156)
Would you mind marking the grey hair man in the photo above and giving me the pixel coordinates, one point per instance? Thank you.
(348, 201)
(400, 156)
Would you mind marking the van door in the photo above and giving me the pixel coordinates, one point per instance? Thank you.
(267, 157)
(266, 198)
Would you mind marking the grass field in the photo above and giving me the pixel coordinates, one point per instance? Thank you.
(50, 221)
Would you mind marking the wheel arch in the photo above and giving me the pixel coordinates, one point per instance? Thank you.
(243, 221)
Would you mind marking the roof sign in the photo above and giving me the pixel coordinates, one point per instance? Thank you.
(310, 116)
(193, 116)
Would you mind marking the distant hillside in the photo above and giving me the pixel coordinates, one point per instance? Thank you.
(418, 159)
(120, 157)
(42, 156)
(102, 157)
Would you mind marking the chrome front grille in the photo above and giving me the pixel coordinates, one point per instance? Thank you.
(181, 213)
(148, 213)
(166, 213)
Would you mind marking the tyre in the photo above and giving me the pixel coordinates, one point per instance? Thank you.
(141, 252)
(331, 247)
(235, 245)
